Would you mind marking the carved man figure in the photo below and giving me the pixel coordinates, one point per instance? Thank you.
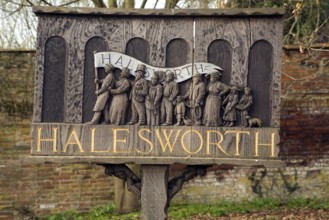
(138, 93)
(153, 100)
(103, 94)
(244, 105)
(195, 95)
(170, 92)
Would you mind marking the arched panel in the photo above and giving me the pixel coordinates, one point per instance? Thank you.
(139, 49)
(54, 80)
(260, 79)
(95, 44)
(177, 54)
(220, 54)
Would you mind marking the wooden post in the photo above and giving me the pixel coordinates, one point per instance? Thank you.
(154, 193)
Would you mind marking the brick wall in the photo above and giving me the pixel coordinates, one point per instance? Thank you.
(305, 106)
(48, 188)
(37, 189)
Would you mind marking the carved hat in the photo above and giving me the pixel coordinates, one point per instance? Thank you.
(170, 73)
(155, 76)
(236, 88)
(141, 67)
(110, 66)
(125, 70)
(247, 88)
(216, 73)
(197, 75)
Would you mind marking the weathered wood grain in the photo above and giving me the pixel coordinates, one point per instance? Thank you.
(235, 31)
(54, 80)
(234, 12)
(158, 32)
(138, 48)
(220, 53)
(152, 160)
(271, 30)
(260, 79)
(154, 196)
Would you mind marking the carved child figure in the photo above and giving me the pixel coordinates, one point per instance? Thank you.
(244, 106)
(180, 110)
(230, 111)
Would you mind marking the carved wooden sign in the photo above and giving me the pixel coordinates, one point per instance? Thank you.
(117, 88)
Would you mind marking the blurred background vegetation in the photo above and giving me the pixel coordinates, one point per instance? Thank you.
(305, 23)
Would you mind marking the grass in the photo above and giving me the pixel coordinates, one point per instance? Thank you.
(222, 208)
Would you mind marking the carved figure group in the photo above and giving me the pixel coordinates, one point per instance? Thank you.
(159, 103)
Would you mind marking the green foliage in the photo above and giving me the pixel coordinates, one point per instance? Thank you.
(99, 213)
(222, 208)
(311, 203)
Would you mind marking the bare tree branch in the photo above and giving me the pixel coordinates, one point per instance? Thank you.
(156, 3)
(144, 3)
(47, 3)
(69, 3)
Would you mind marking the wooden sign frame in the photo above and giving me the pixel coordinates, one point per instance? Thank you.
(246, 44)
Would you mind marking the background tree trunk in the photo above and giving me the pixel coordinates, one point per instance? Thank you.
(170, 4)
(112, 3)
(129, 4)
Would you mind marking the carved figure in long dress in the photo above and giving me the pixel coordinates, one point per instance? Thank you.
(170, 92)
(103, 94)
(119, 104)
(137, 95)
(153, 101)
(195, 96)
(244, 106)
(216, 91)
(230, 111)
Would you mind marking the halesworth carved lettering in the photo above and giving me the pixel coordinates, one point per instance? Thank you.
(156, 141)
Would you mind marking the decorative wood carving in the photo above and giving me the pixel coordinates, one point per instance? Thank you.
(223, 82)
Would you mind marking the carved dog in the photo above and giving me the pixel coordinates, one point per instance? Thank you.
(254, 122)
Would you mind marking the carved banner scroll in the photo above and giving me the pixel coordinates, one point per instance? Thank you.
(182, 73)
